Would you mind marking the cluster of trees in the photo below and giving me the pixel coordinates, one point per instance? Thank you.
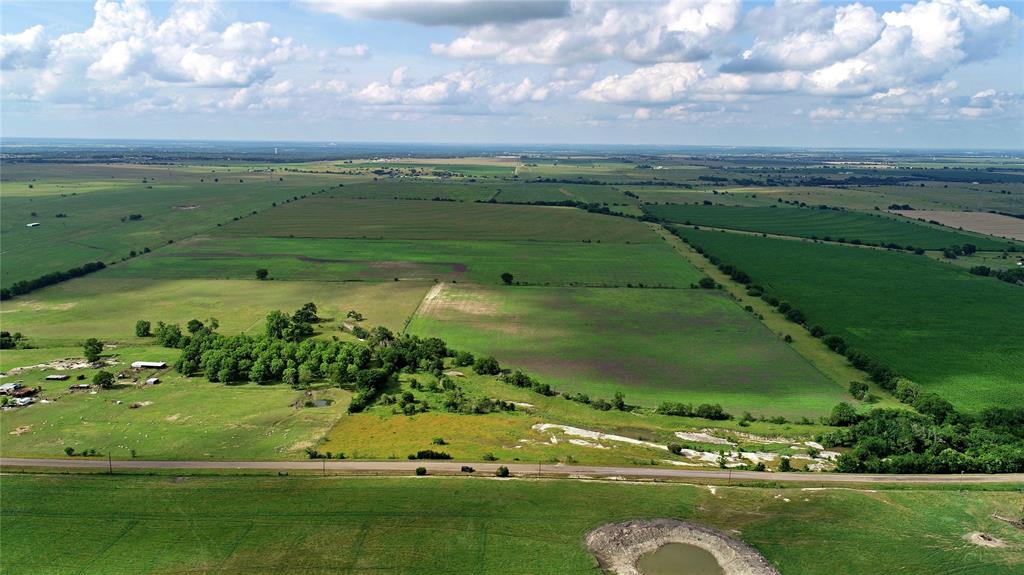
(901, 441)
(1013, 276)
(25, 286)
(617, 403)
(12, 341)
(520, 379)
(953, 252)
(710, 411)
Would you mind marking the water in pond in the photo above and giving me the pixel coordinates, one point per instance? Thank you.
(678, 559)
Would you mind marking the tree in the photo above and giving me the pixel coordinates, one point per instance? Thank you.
(194, 325)
(502, 471)
(858, 389)
(92, 349)
(619, 402)
(706, 283)
(103, 379)
(262, 273)
(506, 278)
(421, 471)
(142, 328)
(843, 415)
(487, 366)
(784, 465)
(277, 324)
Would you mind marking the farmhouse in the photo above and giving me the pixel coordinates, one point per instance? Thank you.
(148, 365)
(9, 388)
(57, 377)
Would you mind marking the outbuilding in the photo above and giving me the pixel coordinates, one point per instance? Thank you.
(57, 377)
(148, 365)
(153, 381)
(32, 225)
(9, 388)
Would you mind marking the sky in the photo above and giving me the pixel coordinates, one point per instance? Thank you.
(932, 73)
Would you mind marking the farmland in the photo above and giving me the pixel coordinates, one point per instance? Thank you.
(906, 310)
(84, 212)
(597, 341)
(327, 217)
(835, 225)
(393, 525)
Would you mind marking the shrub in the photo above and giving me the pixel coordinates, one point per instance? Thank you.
(706, 283)
(486, 366)
(142, 328)
(502, 471)
(784, 465)
(429, 454)
(421, 471)
(489, 457)
(858, 389)
(713, 412)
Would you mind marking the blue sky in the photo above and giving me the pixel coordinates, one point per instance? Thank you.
(934, 73)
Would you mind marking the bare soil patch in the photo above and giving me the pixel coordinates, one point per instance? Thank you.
(63, 365)
(984, 540)
(618, 546)
(981, 222)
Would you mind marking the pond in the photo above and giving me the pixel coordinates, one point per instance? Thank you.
(679, 559)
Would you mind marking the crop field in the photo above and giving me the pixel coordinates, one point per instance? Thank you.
(184, 419)
(816, 223)
(327, 217)
(955, 333)
(599, 341)
(421, 189)
(222, 525)
(981, 222)
(84, 219)
(70, 312)
(329, 259)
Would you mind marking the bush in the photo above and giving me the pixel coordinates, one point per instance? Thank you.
(421, 471)
(784, 465)
(486, 366)
(706, 283)
(675, 448)
(817, 331)
(429, 454)
(843, 415)
(142, 328)
(858, 389)
(502, 471)
(103, 379)
(713, 412)
(674, 408)
(489, 457)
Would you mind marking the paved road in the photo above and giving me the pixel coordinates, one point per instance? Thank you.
(518, 469)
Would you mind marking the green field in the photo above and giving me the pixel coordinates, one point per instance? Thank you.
(957, 334)
(184, 419)
(331, 217)
(173, 203)
(331, 259)
(654, 345)
(222, 525)
(107, 308)
(821, 224)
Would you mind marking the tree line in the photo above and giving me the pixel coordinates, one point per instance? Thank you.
(25, 286)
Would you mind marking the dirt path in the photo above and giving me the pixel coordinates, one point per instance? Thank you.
(426, 304)
(517, 469)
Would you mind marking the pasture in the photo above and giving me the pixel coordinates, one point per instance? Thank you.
(358, 260)
(331, 217)
(107, 308)
(84, 211)
(291, 525)
(179, 418)
(954, 333)
(652, 344)
(821, 224)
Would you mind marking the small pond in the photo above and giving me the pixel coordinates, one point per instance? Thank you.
(679, 559)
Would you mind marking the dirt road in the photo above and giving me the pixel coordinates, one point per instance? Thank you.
(517, 469)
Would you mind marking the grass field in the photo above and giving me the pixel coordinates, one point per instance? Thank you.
(233, 525)
(654, 345)
(331, 217)
(331, 259)
(184, 419)
(173, 202)
(956, 334)
(107, 308)
(815, 223)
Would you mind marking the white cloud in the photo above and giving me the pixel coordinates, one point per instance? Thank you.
(673, 31)
(27, 49)
(356, 51)
(445, 12)
(827, 114)
(658, 83)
